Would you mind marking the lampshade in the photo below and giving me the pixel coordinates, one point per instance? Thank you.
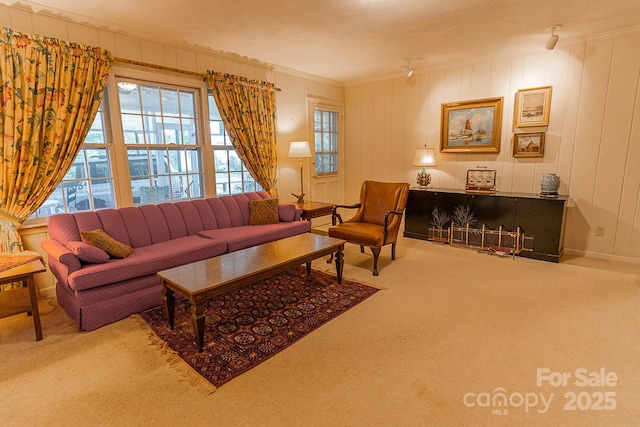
(425, 157)
(299, 149)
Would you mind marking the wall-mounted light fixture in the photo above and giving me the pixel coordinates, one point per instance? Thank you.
(553, 40)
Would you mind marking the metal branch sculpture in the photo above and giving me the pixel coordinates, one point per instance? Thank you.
(462, 216)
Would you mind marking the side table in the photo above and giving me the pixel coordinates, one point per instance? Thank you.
(312, 210)
(22, 299)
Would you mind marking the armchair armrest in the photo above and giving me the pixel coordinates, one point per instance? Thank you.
(386, 220)
(335, 215)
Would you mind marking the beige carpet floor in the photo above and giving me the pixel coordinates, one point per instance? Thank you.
(452, 331)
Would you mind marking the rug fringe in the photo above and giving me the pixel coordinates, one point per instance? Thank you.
(190, 375)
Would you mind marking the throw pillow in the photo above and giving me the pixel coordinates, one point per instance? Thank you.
(102, 240)
(286, 212)
(88, 253)
(263, 212)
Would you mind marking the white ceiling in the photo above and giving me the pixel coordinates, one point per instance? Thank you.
(351, 40)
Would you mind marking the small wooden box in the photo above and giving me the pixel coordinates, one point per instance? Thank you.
(481, 181)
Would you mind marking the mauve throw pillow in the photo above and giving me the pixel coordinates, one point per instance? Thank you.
(88, 253)
(286, 212)
(263, 212)
(107, 243)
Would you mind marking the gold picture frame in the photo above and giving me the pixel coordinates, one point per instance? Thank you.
(471, 126)
(532, 107)
(528, 144)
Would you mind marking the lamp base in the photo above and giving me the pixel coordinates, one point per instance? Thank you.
(423, 179)
(300, 197)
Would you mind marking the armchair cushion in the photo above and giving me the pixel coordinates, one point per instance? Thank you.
(360, 232)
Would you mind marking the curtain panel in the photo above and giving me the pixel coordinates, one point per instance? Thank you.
(50, 94)
(248, 110)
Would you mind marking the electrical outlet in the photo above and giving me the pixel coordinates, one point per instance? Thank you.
(600, 230)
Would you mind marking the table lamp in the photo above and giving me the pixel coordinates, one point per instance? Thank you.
(425, 157)
(300, 149)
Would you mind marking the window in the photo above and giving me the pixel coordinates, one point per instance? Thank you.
(160, 131)
(232, 176)
(325, 126)
(88, 185)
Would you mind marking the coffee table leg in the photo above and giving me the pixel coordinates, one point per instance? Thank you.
(197, 318)
(339, 264)
(308, 268)
(169, 303)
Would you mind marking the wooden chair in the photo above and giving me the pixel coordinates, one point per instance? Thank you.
(377, 220)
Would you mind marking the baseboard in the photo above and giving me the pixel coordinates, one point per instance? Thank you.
(48, 292)
(597, 255)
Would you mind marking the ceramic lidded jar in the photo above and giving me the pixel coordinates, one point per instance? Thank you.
(550, 184)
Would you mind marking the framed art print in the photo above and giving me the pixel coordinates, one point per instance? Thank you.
(471, 126)
(532, 107)
(528, 144)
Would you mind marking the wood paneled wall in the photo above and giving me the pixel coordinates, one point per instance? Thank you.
(592, 141)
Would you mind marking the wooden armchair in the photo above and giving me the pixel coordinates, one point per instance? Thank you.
(377, 221)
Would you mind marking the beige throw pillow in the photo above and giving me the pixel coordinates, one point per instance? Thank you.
(102, 240)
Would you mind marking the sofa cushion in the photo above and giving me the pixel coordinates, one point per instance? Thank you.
(237, 206)
(251, 235)
(136, 226)
(263, 212)
(147, 260)
(88, 253)
(102, 240)
(158, 228)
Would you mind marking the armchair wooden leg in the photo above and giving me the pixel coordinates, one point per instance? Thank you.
(376, 254)
(393, 250)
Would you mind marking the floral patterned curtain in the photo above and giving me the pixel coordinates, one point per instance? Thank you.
(50, 94)
(248, 110)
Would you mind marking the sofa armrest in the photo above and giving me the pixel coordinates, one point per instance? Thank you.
(289, 212)
(298, 214)
(62, 262)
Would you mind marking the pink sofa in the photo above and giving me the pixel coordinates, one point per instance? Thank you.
(163, 236)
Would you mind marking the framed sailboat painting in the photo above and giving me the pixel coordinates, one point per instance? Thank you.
(471, 126)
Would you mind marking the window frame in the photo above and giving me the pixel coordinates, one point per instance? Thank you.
(117, 149)
(124, 193)
(323, 104)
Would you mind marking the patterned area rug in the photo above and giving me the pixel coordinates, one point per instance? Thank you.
(246, 326)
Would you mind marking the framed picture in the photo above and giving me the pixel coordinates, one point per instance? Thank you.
(471, 126)
(528, 144)
(532, 107)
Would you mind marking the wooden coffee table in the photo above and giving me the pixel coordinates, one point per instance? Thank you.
(202, 280)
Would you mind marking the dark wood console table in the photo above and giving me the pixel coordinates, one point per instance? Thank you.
(542, 218)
